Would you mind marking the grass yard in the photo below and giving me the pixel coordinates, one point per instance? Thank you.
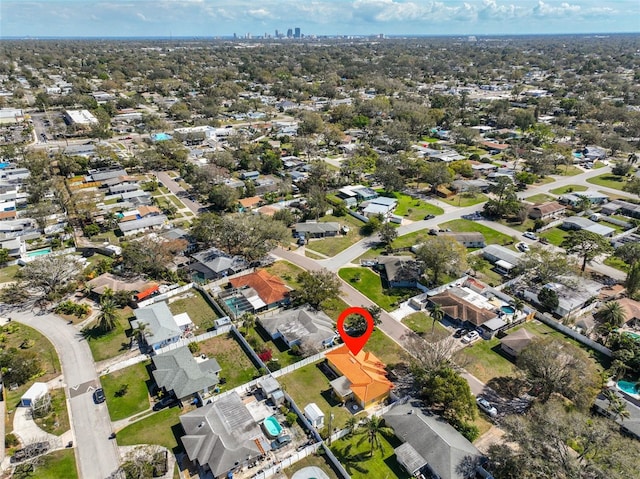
(287, 272)
(57, 465)
(421, 323)
(313, 460)
(332, 246)
(333, 307)
(198, 309)
(57, 420)
(279, 349)
(539, 198)
(236, 366)
(554, 235)
(161, 428)
(463, 201)
(616, 263)
(491, 236)
(370, 284)
(483, 425)
(310, 254)
(609, 181)
(108, 345)
(413, 208)
(483, 361)
(8, 273)
(309, 384)
(360, 465)
(568, 189)
(136, 398)
(385, 348)
(569, 170)
(544, 181)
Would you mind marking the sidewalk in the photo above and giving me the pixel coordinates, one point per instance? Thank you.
(120, 362)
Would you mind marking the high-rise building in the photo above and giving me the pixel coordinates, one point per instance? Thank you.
(277, 33)
(297, 33)
(289, 33)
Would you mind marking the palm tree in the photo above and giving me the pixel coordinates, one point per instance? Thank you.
(584, 203)
(612, 313)
(108, 318)
(616, 405)
(351, 424)
(518, 305)
(372, 428)
(437, 313)
(139, 330)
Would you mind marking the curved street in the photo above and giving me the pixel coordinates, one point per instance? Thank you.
(97, 457)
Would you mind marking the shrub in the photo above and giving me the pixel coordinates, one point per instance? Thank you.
(468, 430)
(265, 355)
(291, 418)
(10, 440)
(194, 347)
(274, 365)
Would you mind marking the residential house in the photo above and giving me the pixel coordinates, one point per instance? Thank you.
(100, 174)
(109, 282)
(222, 437)
(362, 378)
(621, 207)
(456, 302)
(629, 425)
(631, 310)
(214, 264)
(179, 372)
(512, 344)
(431, 446)
(400, 271)
(581, 223)
(570, 299)
(270, 289)
(574, 199)
(250, 203)
(313, 229)
(129, 228)
(359, 192)
(161, 327)
(15, 247)
(470, 185)
(503, 258)
(545, 211)
(468, 240)
(593, 153)
(249, 175)
(379, 206)
(302, 326)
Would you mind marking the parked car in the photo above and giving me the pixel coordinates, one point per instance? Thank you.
(486, 406)
(524, 247)
(530, 235)
(460, 332)
(166, 401)
(433, 231)
(429, 217)
(470, 337)
(98, 396)
(281, 441)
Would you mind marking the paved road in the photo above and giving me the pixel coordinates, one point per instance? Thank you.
(96, 456)
(175, 188)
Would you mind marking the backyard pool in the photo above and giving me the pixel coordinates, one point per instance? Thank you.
(161, 137)
(38, 252)
(507, 309)
(630, 388)
(272, 426)
(238, 305)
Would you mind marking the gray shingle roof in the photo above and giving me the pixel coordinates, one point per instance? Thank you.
(146, 222)
(302, 324)
(178, 371)
(316, 228)
(218, 261)
(160, 323)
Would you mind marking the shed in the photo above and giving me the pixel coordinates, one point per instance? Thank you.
(314, 414)
(35, 392)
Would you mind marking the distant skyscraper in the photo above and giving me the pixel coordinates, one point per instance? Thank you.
(297, 33)
(277, 35)
(289, 33)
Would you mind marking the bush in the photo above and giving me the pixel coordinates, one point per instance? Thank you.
(10, 440)
(291, 418)
(265, 355)
(194, 347)
(469, 431)
(71, 308)
(274, 365)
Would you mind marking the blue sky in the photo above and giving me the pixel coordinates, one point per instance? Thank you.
(323, 17)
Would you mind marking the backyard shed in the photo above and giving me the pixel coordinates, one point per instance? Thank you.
(314, 414)
(35, 392)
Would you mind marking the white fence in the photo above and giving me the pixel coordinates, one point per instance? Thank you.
(194, 339)
(304, 362)
(163, 296)
(288, 461)
(574, 334)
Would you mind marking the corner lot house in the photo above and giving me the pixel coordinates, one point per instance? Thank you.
(214, 264)
(459, 305)
(363, 377)
(271, 290)
(312, 229)
(180, 372)
(222, 437)
(303, 326)
(546, 211)
(400, 271)
(580, 223)
(161, 327)
(430, 445)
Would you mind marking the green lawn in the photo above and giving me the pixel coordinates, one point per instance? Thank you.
(333, 307)
(617, 263)
(370, 284)
(333, 246)
(483, 361)
(568, 189)
(360, 465)
(309, 384)
(568, 170)
(160, 428)
(309, 461)
(136, 398)
(554, 235)
(609, 181)
(57, 420)
(414, 208)
(198, 309)
(108, 345)
(544, 181)
(57, 465)
(310, 254)
(421, 323)
(491, 236)
(287, 272)
(278, 348)
(236, 366)
(7, 274)
(463, 201)
(385, 348)
(539, 198)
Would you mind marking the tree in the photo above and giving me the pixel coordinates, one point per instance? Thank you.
(629, 253)
(541, 266)
(19, 366)
(557, 367)
(505, 202)
(437, 314)
(150, 257)
(548, 298)
(387, 234)
(586, 245)
(632, 282)
(4, 255)
(617, 407)
(446, 390)
(633, 186)
(436, 174)
(621, 168)
(49, 274)
(387, 172)
(316, 287)
(612, 313)
(223, 198)
(108, 317)
(139, 332)
(372, 428)
(441, 254)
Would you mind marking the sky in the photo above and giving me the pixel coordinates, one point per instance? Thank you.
(211, 18)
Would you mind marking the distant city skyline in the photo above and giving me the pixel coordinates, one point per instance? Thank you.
(211, 18)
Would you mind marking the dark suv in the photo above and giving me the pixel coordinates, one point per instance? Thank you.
(98, 396)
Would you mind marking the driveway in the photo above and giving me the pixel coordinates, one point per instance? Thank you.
(175, 188)
(96, 456)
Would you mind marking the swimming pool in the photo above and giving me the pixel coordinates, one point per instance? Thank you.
(161, 137)
(507, 309)
(272, 426)
(629, 387)
(38, 252)
(238, 305)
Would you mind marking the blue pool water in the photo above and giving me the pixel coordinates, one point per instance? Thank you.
(272, 426)
(508, 309)
(577, 155)
(161, 136)
(238, 305)
(628, 387)
(39, 252)
(4, 165)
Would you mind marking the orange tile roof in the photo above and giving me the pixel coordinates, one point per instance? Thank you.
(145, 210)
(7, 215)
(251, 201)
(365, 372)
(271, 289)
